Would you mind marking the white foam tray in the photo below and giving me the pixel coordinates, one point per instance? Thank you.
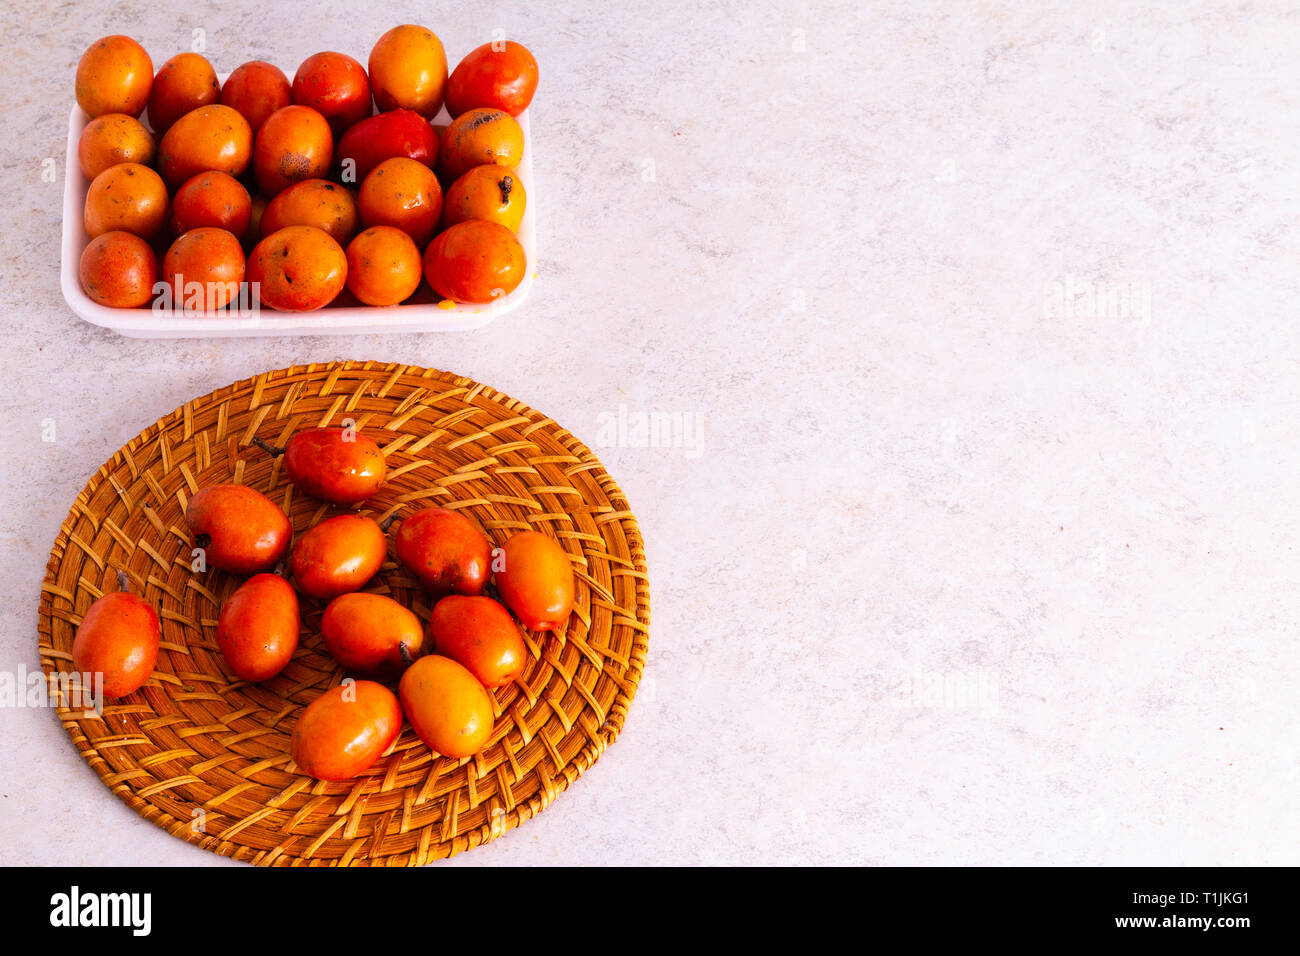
(146, 323)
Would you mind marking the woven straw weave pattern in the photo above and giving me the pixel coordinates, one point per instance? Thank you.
(205, 755)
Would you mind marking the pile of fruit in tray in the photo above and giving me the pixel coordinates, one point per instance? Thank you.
(298, 194)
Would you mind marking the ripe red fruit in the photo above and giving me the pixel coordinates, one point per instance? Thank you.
(397, 133)
(536, 580)
(445, 551)
(256, 89)
(240, 529)
(335, 464)
(338, 555)
(334, 85)
(479, 633)
(345, 730)
(497, 75)
(371, 634)
(258, 627)
(118, 638)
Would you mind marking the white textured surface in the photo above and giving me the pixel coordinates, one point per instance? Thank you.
(913, 465)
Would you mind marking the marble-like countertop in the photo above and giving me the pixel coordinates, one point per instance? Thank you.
(985, 548)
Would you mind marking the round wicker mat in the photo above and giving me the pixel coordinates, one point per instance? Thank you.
(205, 755)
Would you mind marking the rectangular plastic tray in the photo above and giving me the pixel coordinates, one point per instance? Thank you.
(146, 323)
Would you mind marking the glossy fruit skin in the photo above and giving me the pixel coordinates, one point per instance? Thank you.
(491, 193)
(313, 202)
(298, 268)
(365, 633)
(210, 137)
(256, 89)
(475, 261)
(408, 70)
(499, 76)
(479, 137)
(111, 139)
(118, 638)
(338, 555)
(479, 633)
(447, 706)
(247, 532)
(403, 133)
(294, 143)
(119, 269)
(211, 199)
(185, 82)
(535, 580)
(114, 75)
(337, 738)
(127, 197)
(384, 266)
(404, 194)
(336, 86)
(335, 464)
(257, 630)
(209, 256)
(445, 551)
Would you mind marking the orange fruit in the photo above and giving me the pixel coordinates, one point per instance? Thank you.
(111, 139)
(446, 705)
(127, 197)
(408, 70)
(114, 75)
(384, 266)
(119, 269)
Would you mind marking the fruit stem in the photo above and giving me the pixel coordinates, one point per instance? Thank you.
(267, 447)
(407, 659)
(123, 582)
(387, 522)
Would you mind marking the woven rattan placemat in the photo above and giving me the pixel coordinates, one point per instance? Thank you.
(205, 755)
